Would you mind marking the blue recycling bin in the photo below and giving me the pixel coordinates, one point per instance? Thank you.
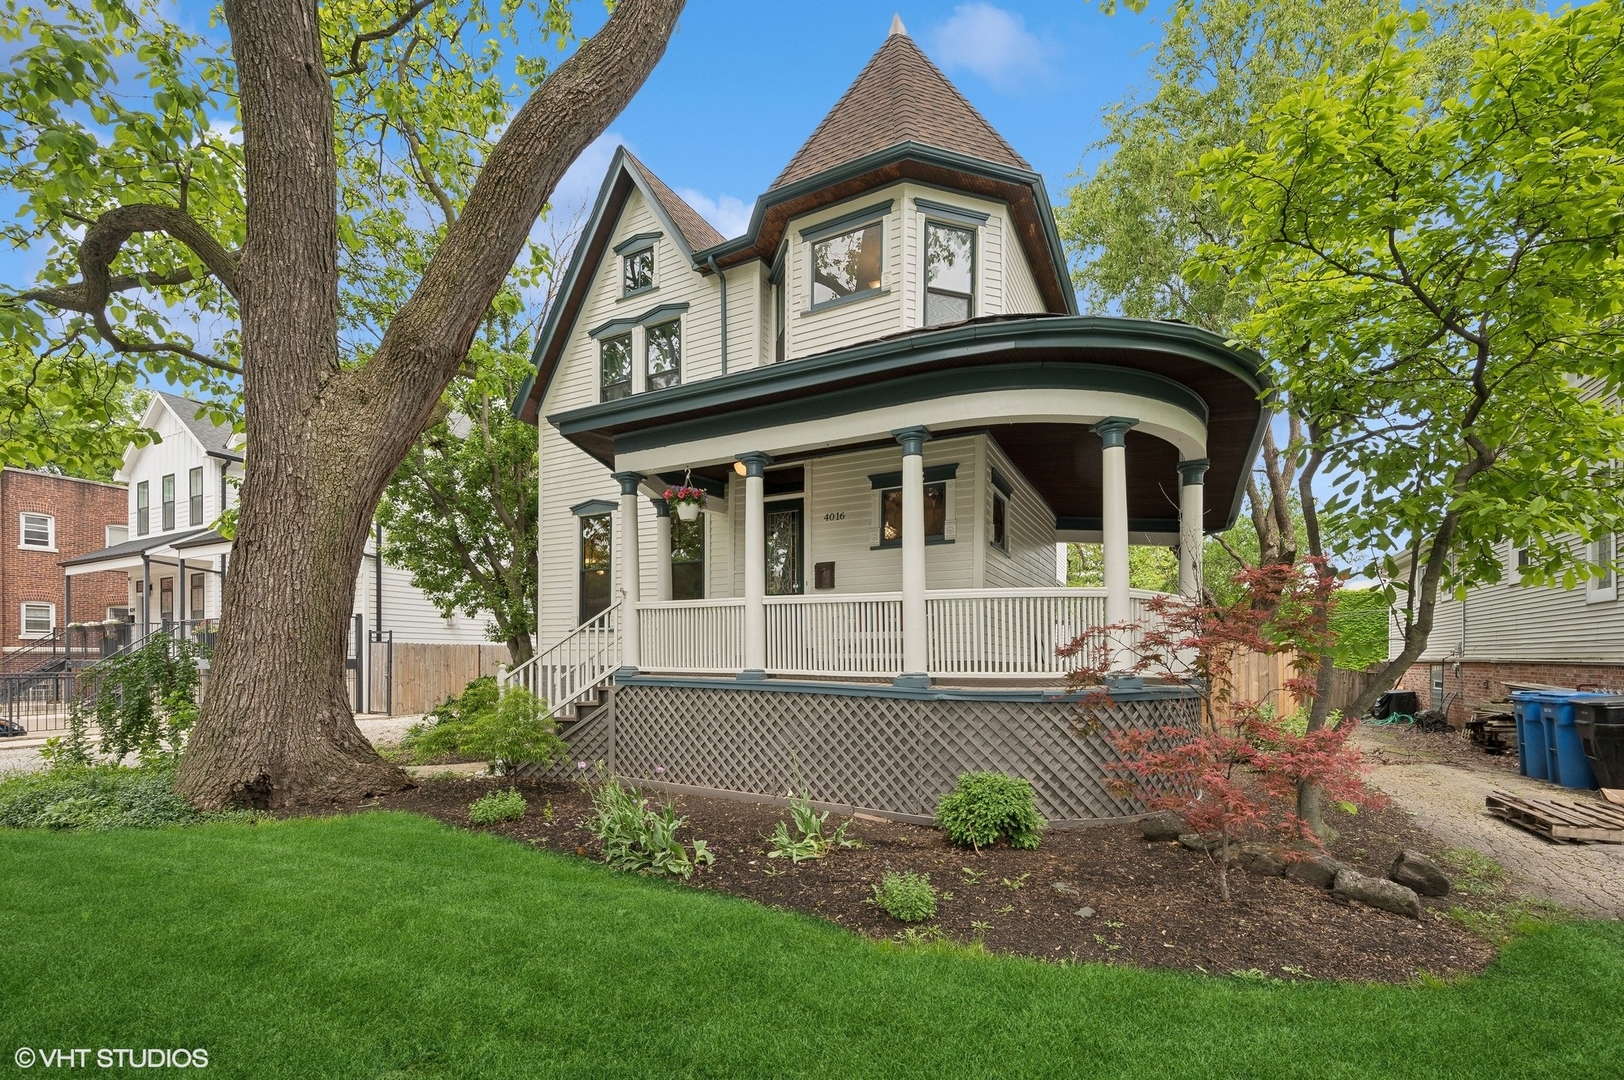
(1565, 752)
(1531, 753)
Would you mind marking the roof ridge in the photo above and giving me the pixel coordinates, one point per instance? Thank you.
(698, 232)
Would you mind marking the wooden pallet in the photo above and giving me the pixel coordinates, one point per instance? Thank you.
(1561, 819)
(1496, 733)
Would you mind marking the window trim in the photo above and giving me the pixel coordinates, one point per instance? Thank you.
(168, 491)
(625, 260)
(925, 289)
(143, 508)
(194, 499)
(648, 332)
(22, 614)
(1598, 590)
(946, 536)
(580, 565)
(814, 306)
(22, 531)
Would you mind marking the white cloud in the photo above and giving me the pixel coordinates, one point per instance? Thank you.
(993, 43)
(730, 216)
(578, 188)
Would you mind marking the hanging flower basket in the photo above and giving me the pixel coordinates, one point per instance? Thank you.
(686, 501)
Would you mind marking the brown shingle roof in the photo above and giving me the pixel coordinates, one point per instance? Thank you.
(695, 229)
(899, 97)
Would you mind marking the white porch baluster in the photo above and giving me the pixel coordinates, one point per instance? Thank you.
(915, 628)
(755, 565)
(631, 565)
(662, 548)
(1113, 432)
(1192, 493)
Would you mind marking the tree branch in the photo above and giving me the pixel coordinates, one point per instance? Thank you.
(356, 64)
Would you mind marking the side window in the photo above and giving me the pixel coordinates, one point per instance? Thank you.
(949, 274)
(169, 502)
(597, 536)
(143, 509)
(194, 496)
(38, 619)
(38, 531)
(637, 271)
(1000, 522)
(663, 345)
(891, 514)
(1604, 553)
(778, 319)
(688, 559)
(846, 265)
(615, 368)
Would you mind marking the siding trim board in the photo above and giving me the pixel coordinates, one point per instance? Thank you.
(933, 474)
(641, 242)
(846, 222)
(958, 215)
(619, 326)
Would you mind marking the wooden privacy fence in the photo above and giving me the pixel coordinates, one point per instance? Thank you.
(1262, 677)
(414, 677)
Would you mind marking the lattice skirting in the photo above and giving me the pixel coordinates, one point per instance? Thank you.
(890, 755)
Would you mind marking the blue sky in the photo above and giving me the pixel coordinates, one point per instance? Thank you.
(744, 83)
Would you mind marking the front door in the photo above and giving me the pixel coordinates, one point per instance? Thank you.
(785, 541)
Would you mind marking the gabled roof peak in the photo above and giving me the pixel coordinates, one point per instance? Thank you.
(898, 97)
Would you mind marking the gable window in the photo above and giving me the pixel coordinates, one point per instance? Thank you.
(891, 514)
(194, 496)
(1603, 552)
(688, 559)
(637, 271)
(38, 620)
(615, 368)
(169, 502)
(38, 532)
(596, 538)
(143, 509)
(663, 347)
(845, 265)
(949, 274)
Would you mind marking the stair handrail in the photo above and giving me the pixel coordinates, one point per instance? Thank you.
(575, 666)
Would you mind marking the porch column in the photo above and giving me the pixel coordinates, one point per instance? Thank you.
(1192, 492)
(631, 567)
(1113, 431)
(662, 549)
(755, 564)
(915, 632)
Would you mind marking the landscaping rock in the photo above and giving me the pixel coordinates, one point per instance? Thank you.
(1193, 841)
(1262, 860)
(1377, 892)
(1085, 913)
(1317, 870)
(1165, 826)
(1065, 890)
(1414, 870)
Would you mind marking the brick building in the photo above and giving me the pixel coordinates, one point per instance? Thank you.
(46, 519)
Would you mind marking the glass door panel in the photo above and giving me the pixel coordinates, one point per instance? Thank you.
(785, 540)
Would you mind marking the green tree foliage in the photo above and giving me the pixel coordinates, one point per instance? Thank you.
(1439, 286)
(461, 511)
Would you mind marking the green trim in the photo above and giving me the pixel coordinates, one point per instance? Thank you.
(849, 298)
(658, 313)
(896, 545)
(884, 481)
(594, 507)
(628, 481)
(1005, 488)
(1192, 473)
(633, 244)
(958, 215)
(755, 462)
(1113, 430)
(761, 684)
(1094, 524)
(848, 222)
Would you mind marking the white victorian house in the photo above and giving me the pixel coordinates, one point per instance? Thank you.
(887, 392)
(175, 561)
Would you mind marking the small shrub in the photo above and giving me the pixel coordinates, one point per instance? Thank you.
(97, 797)
(984, 807)
(497, 806)
(637, 837)
(506, 729)
(908, 896)
(809, 842)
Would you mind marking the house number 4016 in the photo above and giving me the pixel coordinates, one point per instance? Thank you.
(838, 515)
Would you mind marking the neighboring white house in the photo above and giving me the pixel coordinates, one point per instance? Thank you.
(176, 562)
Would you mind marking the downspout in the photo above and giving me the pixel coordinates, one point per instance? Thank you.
(723, 281)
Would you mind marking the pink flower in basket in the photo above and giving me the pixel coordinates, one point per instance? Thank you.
(686, 501)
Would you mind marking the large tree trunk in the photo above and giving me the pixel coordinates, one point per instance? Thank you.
(276, 728)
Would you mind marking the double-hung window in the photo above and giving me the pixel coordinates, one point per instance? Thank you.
(637, 271)
(194, 496)
(38, 620)
(662, 346)
(950, 255)
(615, 368)
(143, 509)
(38, 532)
(688, 559)
(847, 264)
(597, 537)
(169, 502)
(1604, 587)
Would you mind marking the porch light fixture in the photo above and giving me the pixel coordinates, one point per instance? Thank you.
(738, 467)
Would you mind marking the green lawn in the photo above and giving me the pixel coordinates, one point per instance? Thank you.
(391, 946)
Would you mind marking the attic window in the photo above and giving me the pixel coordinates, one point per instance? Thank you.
(949, 274)
(846, 265)
(637, 271)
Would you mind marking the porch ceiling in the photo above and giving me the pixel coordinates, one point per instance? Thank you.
(1170, 365)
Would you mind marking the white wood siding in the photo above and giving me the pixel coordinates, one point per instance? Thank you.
(1029, 526)
(1021, 296)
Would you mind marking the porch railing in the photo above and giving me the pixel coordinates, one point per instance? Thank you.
(972, 632)
(575, 667)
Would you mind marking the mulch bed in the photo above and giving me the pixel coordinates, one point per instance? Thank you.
(1154, 905)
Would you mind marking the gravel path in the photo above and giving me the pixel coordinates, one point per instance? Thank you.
(1446, 799)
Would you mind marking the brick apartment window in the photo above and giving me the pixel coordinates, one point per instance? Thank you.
(143, 509)
(194, 496)
(116, 534)
(39, 532)
(38, 620)
(169, 502)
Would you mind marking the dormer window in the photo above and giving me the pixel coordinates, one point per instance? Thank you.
(846, 265)
(637, 271)
(949, 274)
